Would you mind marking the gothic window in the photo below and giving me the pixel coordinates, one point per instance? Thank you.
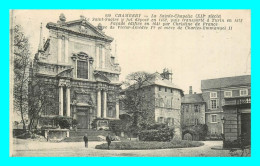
(82, 69)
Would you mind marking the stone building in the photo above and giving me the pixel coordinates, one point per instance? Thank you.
(193, 109)
(237, 115)
(77, 59)
(216, 93)
(162, 101)
(192, 114)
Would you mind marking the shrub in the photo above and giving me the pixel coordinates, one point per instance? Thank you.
(231, 144)
(24, 135)
(74, 123)
(139, 145)
(157, 126)
(199, 130)
(63, 122)
(161, 135)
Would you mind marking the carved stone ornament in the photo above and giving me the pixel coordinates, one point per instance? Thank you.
(63, 83)
(100, 27)
(61, 36)
(82, 91)
(83, 29)
(102, 76)
(62, 17)
(82, 56)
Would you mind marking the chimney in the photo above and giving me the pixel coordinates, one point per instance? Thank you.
(190, 91)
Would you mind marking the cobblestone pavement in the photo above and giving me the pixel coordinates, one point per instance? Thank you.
(71, 149)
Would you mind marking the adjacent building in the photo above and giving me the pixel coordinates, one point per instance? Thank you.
(162, 101)
(193, 109)
(217, 94)
(237, 115)
(192, 114)
(76, 58)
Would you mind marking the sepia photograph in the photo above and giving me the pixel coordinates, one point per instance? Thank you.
(130, 83)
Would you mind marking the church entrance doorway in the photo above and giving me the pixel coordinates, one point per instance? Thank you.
(83, 118)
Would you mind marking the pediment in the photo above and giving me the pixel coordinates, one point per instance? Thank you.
(65, 73)
(81, 27)
(101, 77)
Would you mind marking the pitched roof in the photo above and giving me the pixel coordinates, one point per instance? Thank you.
(158, 80)
(68, 27)
(226, 82)
(192, 98)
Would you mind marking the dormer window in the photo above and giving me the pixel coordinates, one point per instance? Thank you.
(228, 94)
(243, 92)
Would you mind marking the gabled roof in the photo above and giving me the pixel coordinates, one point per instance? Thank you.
(225, 82)
(192, 98)
(69, 27)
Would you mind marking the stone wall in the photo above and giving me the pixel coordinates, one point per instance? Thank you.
(189, 115)
(214, 128)
(168, 105)
(232, 124)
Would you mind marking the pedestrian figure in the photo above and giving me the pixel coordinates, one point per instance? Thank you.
(85, 138)
(108, 139)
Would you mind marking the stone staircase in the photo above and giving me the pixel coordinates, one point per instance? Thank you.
(93, 135)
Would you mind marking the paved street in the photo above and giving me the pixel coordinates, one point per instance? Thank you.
(35, 148)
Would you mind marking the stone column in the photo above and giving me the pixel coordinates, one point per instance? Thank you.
(105, 104)
(68, 101)
(97, 57)
(66, 50)
(117, 109)
(59, 49)
(61, 100)
(74, 112)
(103, 57)
(99, 103)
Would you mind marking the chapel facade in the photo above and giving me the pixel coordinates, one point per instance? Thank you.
(76, 58)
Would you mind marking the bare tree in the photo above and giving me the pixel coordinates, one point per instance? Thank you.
(135, 100)
(42, 99)
(22, 54)
(33, 95)
(140, 101)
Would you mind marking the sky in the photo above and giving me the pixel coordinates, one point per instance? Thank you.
(191, 55)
